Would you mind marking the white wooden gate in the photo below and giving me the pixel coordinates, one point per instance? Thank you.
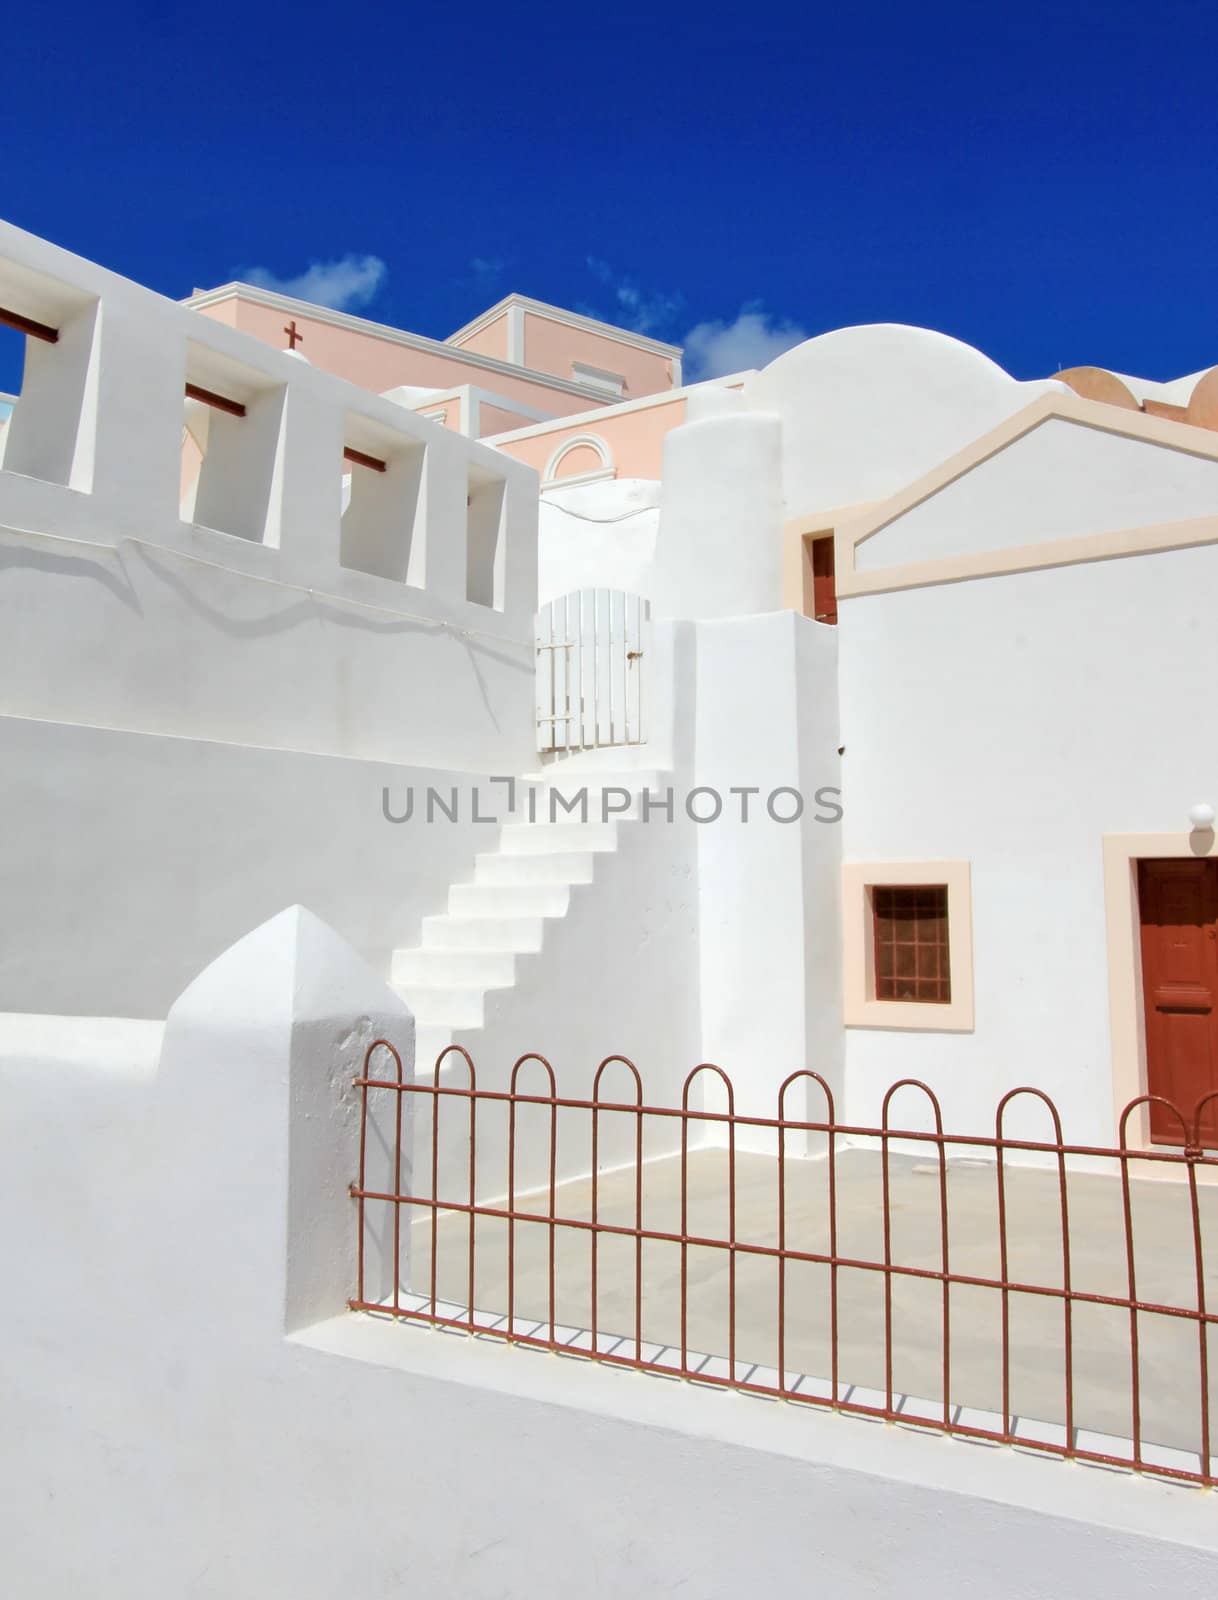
(591, 653)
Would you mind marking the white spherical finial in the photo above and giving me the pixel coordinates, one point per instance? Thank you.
(1202, 818)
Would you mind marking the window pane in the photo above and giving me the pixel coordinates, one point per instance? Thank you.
(911, 945)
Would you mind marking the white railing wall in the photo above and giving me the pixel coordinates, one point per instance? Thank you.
(94, 451)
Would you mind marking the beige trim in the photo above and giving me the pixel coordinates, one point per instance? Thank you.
(797, 529)
(860, 1009)
(579, 441)
(1027, 558)
(1126, 1020)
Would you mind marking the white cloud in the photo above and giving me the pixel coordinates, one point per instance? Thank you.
(713, 349)
(343, 285)
(640, 310)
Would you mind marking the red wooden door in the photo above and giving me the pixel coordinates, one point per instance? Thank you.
(1179, 914)
(824, 581)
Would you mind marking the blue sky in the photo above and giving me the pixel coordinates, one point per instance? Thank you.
(1039, 180)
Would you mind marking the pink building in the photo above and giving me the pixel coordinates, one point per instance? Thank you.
(520, 362)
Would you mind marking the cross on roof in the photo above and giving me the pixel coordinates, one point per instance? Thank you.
(295, 337)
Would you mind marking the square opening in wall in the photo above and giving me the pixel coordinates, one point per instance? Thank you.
(232, 425)
(383, 527)
(12, 368)
(47, 402)
(485, 540)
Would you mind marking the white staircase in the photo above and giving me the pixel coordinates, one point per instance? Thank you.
(517, 889)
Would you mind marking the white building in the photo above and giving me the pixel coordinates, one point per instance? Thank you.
(960, 833)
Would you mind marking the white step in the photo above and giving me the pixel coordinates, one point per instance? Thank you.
(548, 838)
(472, 947)
(587, 795)
(606, 763)
(563, 867)
(441, 1007)
(509, 899)
(456, 969)
(448, 932)
(589, 811)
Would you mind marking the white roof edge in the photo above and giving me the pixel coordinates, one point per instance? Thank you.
(590, 418)
(572, 319)
(484, 397)
(382, 330)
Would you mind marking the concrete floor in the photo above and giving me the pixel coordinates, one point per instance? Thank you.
(1170, 1397)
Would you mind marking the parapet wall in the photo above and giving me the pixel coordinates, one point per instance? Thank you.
(242, 601)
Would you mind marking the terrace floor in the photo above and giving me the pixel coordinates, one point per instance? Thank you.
(1164, 1257)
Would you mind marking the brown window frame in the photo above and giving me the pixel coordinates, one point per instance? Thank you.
(910, 928)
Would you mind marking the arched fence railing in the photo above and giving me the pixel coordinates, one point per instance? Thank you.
(939, 1280)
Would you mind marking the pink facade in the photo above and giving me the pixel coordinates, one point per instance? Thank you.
(569, 366)
(494, 419)
(378, 363)
(633, 440)
(556, 347)
(492, 340)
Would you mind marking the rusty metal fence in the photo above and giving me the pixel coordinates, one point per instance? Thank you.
(1004, 1288)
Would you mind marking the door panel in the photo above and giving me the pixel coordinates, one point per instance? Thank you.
(1179, 914)
(824, 581)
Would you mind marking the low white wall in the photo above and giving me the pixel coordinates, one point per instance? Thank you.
(128, 860)
(163, 1436)
(1012, 722)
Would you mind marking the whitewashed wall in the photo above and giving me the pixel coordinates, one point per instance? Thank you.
(1012, 721)
(101, 414)
(128, 860)
(768, 897)
(402, 630)
(142, 638)
(1060, 480)
(867, 410)
(719, 550)
(197, 716)
(190, 1388)
(598, 535)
